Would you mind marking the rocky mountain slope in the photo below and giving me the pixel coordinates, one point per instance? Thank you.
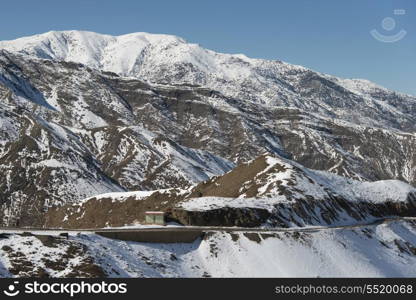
(266, 192)
(153, 112)
(46, 164)
(43, 164)
(111, 155)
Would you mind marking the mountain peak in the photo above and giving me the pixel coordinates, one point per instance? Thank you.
(168, 59)
(118, 54)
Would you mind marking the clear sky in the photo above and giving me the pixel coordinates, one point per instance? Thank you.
(330, 36)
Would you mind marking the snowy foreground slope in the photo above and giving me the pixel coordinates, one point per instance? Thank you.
(384, 250)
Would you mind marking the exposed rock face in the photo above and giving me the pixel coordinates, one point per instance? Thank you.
(240, 217)
(268, 191)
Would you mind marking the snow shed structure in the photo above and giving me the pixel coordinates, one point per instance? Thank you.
(155, 217)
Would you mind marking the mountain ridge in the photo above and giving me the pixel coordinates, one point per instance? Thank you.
(171, 60)
(21, 45)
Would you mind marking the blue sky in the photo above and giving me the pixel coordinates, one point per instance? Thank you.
(330, 36)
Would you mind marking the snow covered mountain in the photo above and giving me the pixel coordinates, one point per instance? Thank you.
(184, 114)
(200, 118)
(165, 59)
(96, 129)
(46, 164)
(55, 152)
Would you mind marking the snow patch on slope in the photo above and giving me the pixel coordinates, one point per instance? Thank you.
(375, 192)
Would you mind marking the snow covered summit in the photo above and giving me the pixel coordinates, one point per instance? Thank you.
(167, 59)
(118, 54)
